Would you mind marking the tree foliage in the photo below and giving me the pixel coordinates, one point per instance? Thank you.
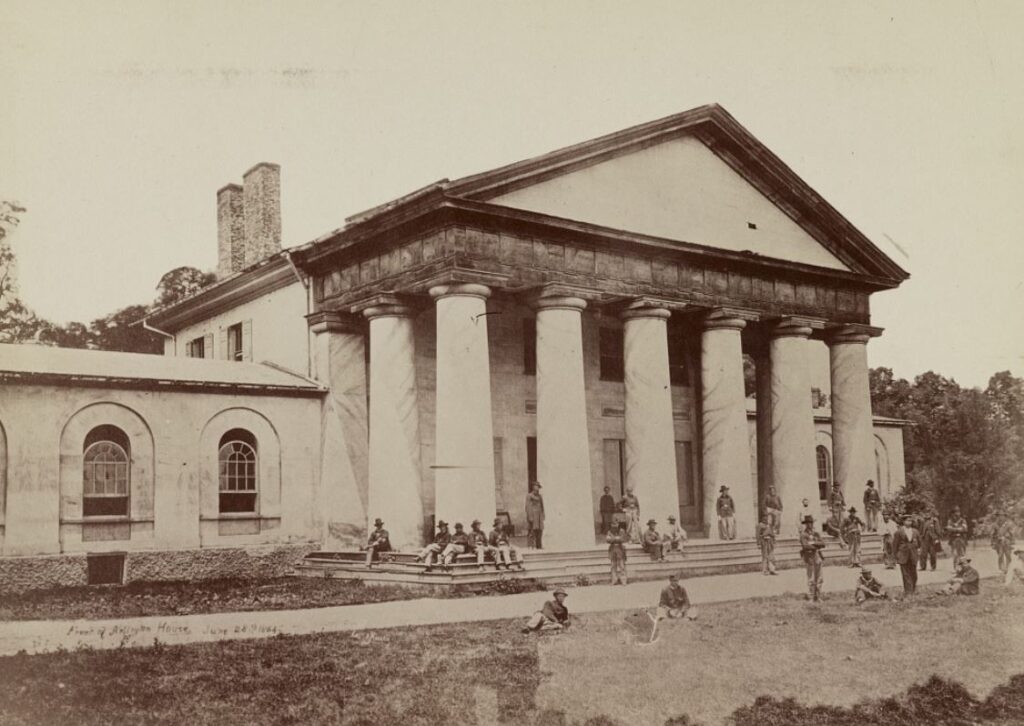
(180, 283)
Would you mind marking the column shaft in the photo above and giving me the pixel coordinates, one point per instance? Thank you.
(563, 444)
(853, 442)
(650, 431)
(464, 446)
(395, 487)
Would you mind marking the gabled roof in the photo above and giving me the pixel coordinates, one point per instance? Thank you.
(40, 364)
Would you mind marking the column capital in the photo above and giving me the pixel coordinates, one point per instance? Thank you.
(727, 318)
(463, 289)
(794, 327)
(556, 296)
(648, 307)
(334, 321)
(852, 333)
(384, 305)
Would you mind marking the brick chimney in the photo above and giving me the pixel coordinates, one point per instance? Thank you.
(230, 231)
(261, 208)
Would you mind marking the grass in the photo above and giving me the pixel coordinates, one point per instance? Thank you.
(767, 662)
(218, 596)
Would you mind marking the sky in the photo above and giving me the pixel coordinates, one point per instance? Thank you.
(120, 121)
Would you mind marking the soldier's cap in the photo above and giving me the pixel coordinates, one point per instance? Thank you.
(853, 509)
(865, 571)
(458, 525)
(442, 523)
(807, 519)
(964, 560)
(723, 488)
(560, 591)
(651, 521)
(475, 521)
(378, 522)
(673, 576)
(497, 521)
(671, 518)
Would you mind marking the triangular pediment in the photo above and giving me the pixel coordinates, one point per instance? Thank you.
(679, 190)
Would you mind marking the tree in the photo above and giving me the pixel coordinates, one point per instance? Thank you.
(17, 322)
(180, 283)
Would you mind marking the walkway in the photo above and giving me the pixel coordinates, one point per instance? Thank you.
(39, 636)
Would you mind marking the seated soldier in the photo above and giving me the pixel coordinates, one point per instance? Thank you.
(965, 582)
(675, 537)
(674, 602)
(833, 528)
(435, 548)
(478, 543)
(380, 541)
(502, 549)
(652, 542)
(868, 588)
(459, 545)
(553, 616)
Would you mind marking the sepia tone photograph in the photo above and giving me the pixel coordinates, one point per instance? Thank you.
(577, 363)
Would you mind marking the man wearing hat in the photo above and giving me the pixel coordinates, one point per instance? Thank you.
(966, 581)
(766, 541)
(1016, 569)
(726, 509)
(435, 548)
(675, 602)
(872, 506)
(479, 546)
(773, 506)
(956, 528)
(836, 505)
(852, 528)
(868, 588)
(616, 539)
(608, 508)
(534, 516)
(630, 506)
(931, 541)
(652, 542)
(811, 546)
(905, 545)
(501, 548)
(554, 616)
(1002, 541)
(459, 545)
(675, 536)
(380, 541)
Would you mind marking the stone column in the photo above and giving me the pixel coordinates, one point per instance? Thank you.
(464, 443)
(339, 358)
(650, 431)
(794, 472)
(853, 441)
(563, 444)
(725, 439)
(395, 488)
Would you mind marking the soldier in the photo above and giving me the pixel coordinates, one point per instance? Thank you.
(1002, 542)
(499, 544)
(966, 581)
(872, 505)
(889, 528)
(930, 541)
(1016, 569)
(836, 505)
(675, 602)
(805, 512)
(868, 588)
(534, 516)
(478, 544)
(675, 537)
(773, 506)
(726, 509)
(608, 508)
(459, 545)
(811, 547)
(616, 539)
(956, 528)
(766, 541)
(906, 543)
(380, 541)
(554, 616)
(630, 506)
(435, 548)
(652, 542)
(852, 527)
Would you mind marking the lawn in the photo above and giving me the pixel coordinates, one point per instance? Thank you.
(833, 653)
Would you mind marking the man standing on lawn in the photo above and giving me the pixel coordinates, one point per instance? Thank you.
(616, 539)
(906, 543)
(872, 505)
(608, 509)
(553, 617)
(726, 509)
(773, 507)
(930, 541)
(811, 546)
(766, 541)
(956, 528)
(675, 602)
(1002, 542)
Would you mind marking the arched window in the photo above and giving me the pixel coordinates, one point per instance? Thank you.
(238, 465)
(824, 471)
(106, 454)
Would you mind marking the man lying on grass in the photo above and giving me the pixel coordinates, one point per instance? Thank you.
(553, 617)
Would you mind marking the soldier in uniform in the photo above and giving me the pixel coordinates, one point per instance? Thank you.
(868, 588)
(811, 546)
(616, 539)
(459, 545)
(773, 506)
(852, 527)
(630, 506)
(766, 541)
(889, 528)
(380, 541)
(479, 545)
(872, 505)
(675, 602)
(535, 516)
(905, 544)
(726, 509)
(652, 542)
(554, 616)
(608, 508)
(966, 581)
(435, 548)
(1002, 542)
(956, 528)
(675, 537)
(497, 540)
(836, 505)
(930, 540)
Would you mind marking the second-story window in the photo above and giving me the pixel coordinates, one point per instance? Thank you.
(196, 348)
(235, 342)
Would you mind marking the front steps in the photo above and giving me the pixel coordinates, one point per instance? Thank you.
(701, 557)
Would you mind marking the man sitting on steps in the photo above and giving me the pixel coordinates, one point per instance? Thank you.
(501, 548)
(458, 546)
(435, 548)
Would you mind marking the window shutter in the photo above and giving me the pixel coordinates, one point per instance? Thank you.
(188, 350)
(208, 345)
(222, 343)
(247, 340)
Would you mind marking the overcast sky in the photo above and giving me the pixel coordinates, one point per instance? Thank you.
(119, 122)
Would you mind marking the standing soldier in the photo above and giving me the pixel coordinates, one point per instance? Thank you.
(956, 528)
(852, 528)
(872, 505)
(836, 505)
(652, 542)
(534, 516)
(380, 541)
(888, 530)
(906, 544)
(1002, 542)
(773, 507)
(930, 540)
(608, 509)
(766, 541)
(726, 509)
(630, 506)
(617, 553)
(811, 546)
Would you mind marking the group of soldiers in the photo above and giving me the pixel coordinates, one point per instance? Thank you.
(656, 544)
(446, 546)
